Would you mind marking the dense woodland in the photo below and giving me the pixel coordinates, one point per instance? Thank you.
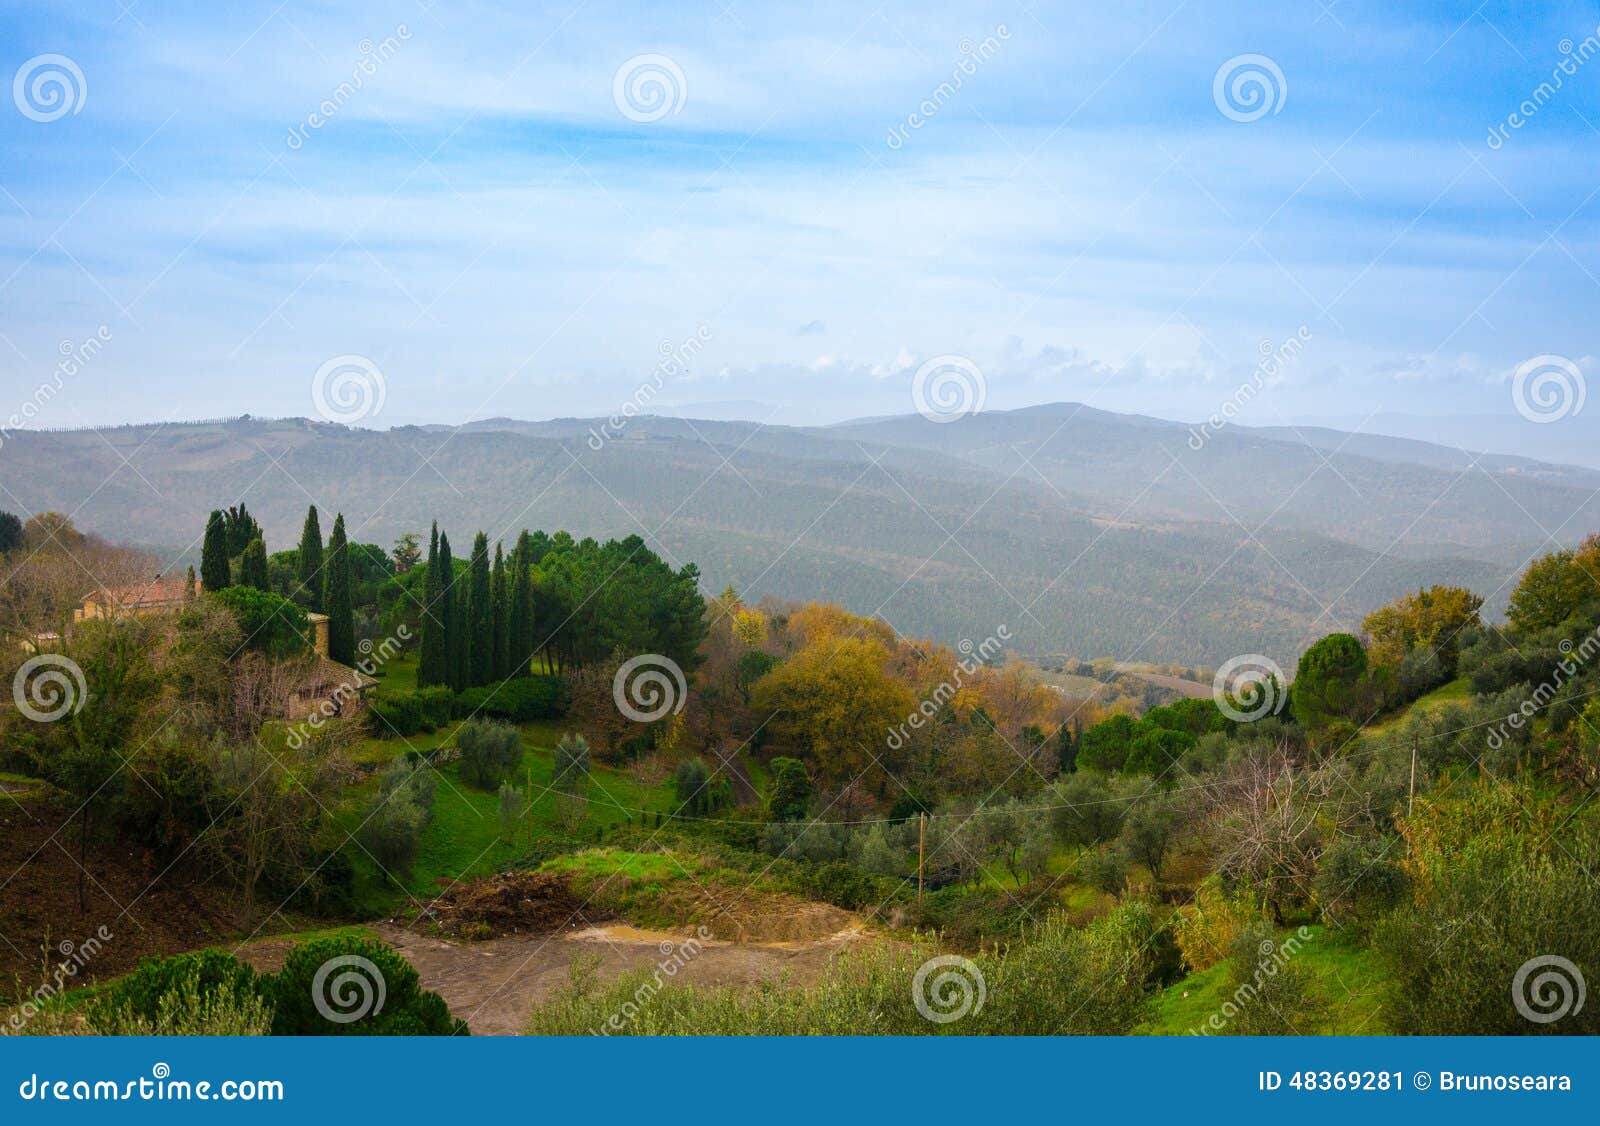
(1417, 796)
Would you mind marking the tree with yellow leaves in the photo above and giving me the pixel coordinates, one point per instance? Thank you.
(750, 626)
(1429, 619)
(832, 706)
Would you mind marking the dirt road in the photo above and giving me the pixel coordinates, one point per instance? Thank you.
(494, 984)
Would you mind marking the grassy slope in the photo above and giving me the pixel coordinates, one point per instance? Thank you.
(463, 840)
(1348, 981)
(1458, 691)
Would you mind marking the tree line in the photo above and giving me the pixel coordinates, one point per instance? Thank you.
(233, 553)
(562, 602)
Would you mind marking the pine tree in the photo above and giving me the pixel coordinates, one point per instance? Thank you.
(336, 596)
(480, 615)
(310, 592)
(499, 611)
(253, 565)
(431, 665)
(448, 598)
(521, 626)
(215, 573)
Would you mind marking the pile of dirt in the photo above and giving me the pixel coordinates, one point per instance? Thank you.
(736, 914)
(511, 903)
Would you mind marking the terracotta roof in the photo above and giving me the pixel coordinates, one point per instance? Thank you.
(327, 673)
(156, 592)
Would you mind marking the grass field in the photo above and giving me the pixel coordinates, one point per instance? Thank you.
(606, 862)
(1458, 691)
(1346, 978)
(464, 841)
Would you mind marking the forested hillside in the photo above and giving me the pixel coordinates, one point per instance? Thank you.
(1085, 532)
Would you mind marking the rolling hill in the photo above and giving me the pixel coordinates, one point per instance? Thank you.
(1079, 530)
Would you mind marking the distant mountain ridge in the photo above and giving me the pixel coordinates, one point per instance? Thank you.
(1081, 530)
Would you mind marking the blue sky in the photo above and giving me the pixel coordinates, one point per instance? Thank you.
(1080, 219)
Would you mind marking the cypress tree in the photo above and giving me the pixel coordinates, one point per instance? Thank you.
(10, 532)
(189, 585)
(499, 610)
(480, 615)
(241, 528)
(520, 642)
(451, 669)
(431, 666)
(461, 671)
(214, 571)
(253, 565)
(336, 597)
(310, 592)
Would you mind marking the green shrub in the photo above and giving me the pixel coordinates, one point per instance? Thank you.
(490, 752)
(791, 790)
(368, 989)
(392, 831)
(1270, 990)
(268, 623)
(1358, 881)
(519, 700)
(140, 997)
(846, 886)
(1454, 954)
(394, 716)
(1105, 870)
(435, 705)
(696, 792)
(194, 1007)
(405, 714)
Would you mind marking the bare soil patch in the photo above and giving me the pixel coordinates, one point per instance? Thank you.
(494, 985)
(745, 915)
(146, 907)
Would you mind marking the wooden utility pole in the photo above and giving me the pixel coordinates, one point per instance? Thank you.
(1412, 800)
(922, 836)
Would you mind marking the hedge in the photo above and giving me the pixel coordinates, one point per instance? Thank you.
(519, 700)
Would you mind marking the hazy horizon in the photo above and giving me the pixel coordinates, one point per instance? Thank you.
(533, 221)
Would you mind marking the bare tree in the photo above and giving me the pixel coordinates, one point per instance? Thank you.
(1269, 819)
